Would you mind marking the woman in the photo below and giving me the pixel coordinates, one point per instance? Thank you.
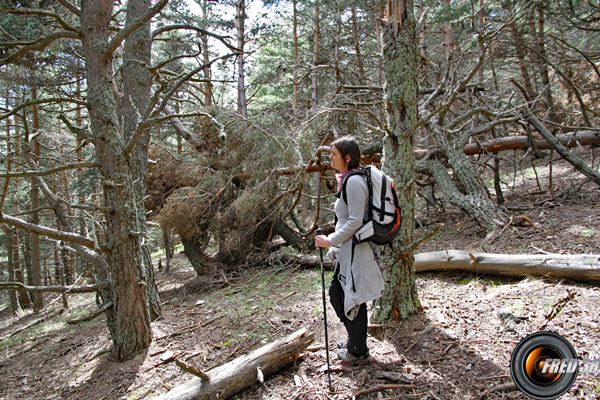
(357, 277)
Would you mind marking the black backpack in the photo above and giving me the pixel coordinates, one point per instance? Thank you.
(383, 219)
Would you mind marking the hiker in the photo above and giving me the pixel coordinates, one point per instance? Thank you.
(356, 278)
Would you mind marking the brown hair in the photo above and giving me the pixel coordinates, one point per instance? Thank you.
(348, 145)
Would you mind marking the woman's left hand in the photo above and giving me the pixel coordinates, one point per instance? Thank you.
(322, 241)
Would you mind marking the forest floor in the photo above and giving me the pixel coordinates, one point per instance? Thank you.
(458, 347)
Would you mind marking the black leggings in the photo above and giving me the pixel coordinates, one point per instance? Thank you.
(357, 328)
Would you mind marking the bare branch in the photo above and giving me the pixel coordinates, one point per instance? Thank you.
(83, 133)
(35, 11)
(38, 45)
(41, 101)
(148, 121)
(50, 232)
(132, 27)
(54, 289)
(50, 171)
(222, 39)
(70, 7)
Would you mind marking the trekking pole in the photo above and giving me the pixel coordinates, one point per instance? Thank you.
(319, 232)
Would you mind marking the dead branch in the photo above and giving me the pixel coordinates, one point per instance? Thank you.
(93, 315)
(53, 289)
(578, 163)
(192, 370)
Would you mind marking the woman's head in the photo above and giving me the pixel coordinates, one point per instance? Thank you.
(349, 153)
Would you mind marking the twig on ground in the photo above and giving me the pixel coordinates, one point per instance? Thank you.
(187, 329)
(557, 308)
(380, 388)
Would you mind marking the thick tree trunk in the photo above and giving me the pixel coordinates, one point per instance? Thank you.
(137, 84)
(194, 251)
(235, 376)
(399, 42)
(583, 268)
(126, 287)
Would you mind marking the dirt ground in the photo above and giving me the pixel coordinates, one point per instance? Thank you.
(459, 347)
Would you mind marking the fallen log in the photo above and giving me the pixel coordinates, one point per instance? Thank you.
(231, 378)
(582, 268)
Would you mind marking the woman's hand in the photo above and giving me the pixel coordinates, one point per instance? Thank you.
(322, 241)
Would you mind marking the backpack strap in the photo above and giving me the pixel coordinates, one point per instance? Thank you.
(382, 197)
(365, 172)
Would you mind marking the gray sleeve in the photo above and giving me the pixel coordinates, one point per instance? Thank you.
(357, 193)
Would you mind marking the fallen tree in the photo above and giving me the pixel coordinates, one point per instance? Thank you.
(231, 378)
(582, 268)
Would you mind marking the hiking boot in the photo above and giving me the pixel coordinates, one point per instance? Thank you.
(347, 357)
(342, 344)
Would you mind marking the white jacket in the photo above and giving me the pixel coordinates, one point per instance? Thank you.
(361, 277)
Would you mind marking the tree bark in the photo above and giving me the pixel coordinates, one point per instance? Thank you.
(129, 319)
(36, 260)
(296, 59)
(240, 19)
(399, 45)
(233, 377)
(471, 196)
(208, 86)
(315, 71)
(582, 268)
(10, 236)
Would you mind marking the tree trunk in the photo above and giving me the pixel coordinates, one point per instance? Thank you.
(36, 258)
(194, 252)
(236, 375)
(168, 248)
(126, 287)
(542, 65)
(315, 71)
(359, 60)
(22, 295)
(582, 268)
(137, 84)
(296, 59)
(399, 44)
(9, 235)
(208, 87)
(240, 18)
(519, 43)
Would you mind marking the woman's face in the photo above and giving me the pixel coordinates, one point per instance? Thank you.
(337, 162)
